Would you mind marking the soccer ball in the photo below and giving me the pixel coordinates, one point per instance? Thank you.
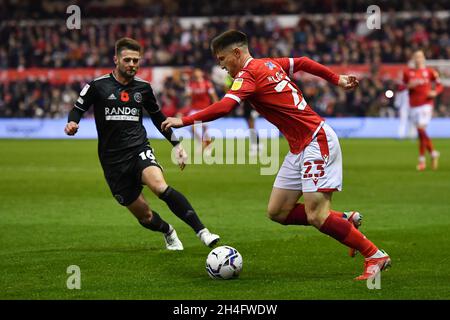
(224, 263)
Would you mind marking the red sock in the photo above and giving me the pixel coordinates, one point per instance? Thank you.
(428, 143)
(344, 231)
(338, 214)
(422, 141)
(297, 215)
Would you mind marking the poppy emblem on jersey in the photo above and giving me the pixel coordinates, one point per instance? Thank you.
(269, 65)
(124, 96)
(137, 97)
(237, 84)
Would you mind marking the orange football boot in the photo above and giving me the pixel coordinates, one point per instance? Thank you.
(373, 266)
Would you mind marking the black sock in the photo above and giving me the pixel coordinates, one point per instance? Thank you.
(156, 224)
(182, 208)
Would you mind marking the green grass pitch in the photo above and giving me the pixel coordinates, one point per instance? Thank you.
(56, 210)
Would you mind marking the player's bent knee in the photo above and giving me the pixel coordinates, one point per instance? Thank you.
(145, 220)
(272, 215)
(277, 214)
(314, 218)
(152, 177)
(314, 221)
(272, 211)
(158, 186)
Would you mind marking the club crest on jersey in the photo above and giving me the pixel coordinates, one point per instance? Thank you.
(269, 65)
(237, 84)
(137, 97)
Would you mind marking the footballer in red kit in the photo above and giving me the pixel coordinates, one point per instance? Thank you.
(423, 86)
(200, 93)
(312, 169)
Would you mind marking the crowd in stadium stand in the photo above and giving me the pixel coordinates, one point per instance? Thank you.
(329, 39)
(51, 9)
(39, 99)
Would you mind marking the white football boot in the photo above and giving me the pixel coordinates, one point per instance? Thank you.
(435, 159)
(208, 238)
(172, 241)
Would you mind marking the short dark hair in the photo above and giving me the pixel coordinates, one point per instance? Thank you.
(127, 43)
(228, 38)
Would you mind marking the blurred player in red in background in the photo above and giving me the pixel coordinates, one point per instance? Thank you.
(313, 167)
(200, 93)
(419, 81)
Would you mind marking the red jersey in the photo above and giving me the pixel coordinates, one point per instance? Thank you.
(200, 93)
(265, 83)
(422, 80)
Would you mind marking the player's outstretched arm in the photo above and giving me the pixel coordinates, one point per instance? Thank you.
(438, 87)
(348, 82)
(158, 118)
(171, 122)
(213, 112)
(293, 65)
(180, 154)
(74, 118)
(71, 128)
(84, 101)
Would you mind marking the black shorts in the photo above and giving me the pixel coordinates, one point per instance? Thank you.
(125, 178)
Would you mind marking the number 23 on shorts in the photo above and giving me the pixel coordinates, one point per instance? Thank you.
(314, 169)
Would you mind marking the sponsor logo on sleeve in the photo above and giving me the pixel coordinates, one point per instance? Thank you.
(85, 89)
(269, 65)
(237, 84)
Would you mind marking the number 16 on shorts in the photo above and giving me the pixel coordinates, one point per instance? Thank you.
(148, 154)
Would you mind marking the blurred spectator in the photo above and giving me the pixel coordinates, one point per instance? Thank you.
(51, 9)
(330, 40)
(172, 96)
(38, 99)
